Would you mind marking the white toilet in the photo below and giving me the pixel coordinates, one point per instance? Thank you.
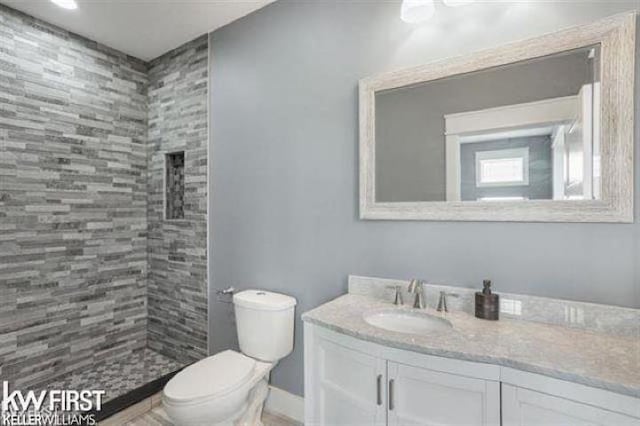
(230, 388)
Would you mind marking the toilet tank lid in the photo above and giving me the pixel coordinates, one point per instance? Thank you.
(263, 300)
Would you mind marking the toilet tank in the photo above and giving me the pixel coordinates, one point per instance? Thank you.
(265, 324)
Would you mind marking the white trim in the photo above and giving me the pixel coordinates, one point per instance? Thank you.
(508, 134)
(453, 173)
(287, 404)
(558, 162)
(555, 110)
(309, 374)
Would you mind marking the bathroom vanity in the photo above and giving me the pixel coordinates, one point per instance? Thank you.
(462, 139)
(361, 369)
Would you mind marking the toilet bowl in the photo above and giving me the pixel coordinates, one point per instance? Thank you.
(215, 390)
(229, 388)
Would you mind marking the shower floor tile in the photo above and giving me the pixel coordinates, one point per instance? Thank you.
(117, 376)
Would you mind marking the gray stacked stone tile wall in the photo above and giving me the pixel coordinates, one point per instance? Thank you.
(177, 289)
(80, 210)
(73, 242)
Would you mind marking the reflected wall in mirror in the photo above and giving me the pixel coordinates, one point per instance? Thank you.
(526, 131)
(540, 130)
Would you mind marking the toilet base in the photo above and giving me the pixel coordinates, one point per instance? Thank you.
(240, 406)
(248, 414)
(252, 416)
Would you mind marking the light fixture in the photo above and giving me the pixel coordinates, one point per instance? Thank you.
(456, 3)
(66, 4)
(414, 11)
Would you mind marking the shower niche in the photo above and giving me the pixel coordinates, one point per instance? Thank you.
(174, 185)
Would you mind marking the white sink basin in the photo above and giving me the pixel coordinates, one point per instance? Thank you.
(407, 322)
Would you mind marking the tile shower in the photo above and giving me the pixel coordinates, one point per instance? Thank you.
(97, 288)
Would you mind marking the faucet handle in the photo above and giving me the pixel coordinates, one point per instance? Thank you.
(415, 286)
(398, 297)
(418, 302)
(442, 301)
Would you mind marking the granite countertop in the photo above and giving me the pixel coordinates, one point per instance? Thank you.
(598, 360)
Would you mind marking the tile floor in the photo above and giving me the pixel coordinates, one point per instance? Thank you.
(157, 417)
(118, 375)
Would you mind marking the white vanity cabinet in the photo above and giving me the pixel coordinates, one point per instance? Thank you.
(352, 382)
(419, 396)
(524, 407)
(534, 400)
(347, 384)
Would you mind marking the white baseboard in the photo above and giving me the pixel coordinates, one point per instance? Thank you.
(282, 402)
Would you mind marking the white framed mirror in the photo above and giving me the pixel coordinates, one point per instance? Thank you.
(537, 130)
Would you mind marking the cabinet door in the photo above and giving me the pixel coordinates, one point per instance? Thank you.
(347, 386)
(524, 407)
(419, 396)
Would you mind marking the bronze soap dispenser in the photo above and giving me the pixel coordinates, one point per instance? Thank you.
(487, 303)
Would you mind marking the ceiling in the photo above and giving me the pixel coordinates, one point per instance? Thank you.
(142, 28)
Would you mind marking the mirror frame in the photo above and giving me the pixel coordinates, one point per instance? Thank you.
(616, 36)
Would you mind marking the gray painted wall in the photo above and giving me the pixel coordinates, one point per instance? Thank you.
(410, 125)
(540, 185)
(285, 166)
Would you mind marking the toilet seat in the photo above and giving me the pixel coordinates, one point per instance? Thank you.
(214, 376)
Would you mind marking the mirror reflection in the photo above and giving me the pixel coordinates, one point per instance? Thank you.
(526, 131)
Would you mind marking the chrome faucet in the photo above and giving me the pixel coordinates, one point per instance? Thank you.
(416, 287)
